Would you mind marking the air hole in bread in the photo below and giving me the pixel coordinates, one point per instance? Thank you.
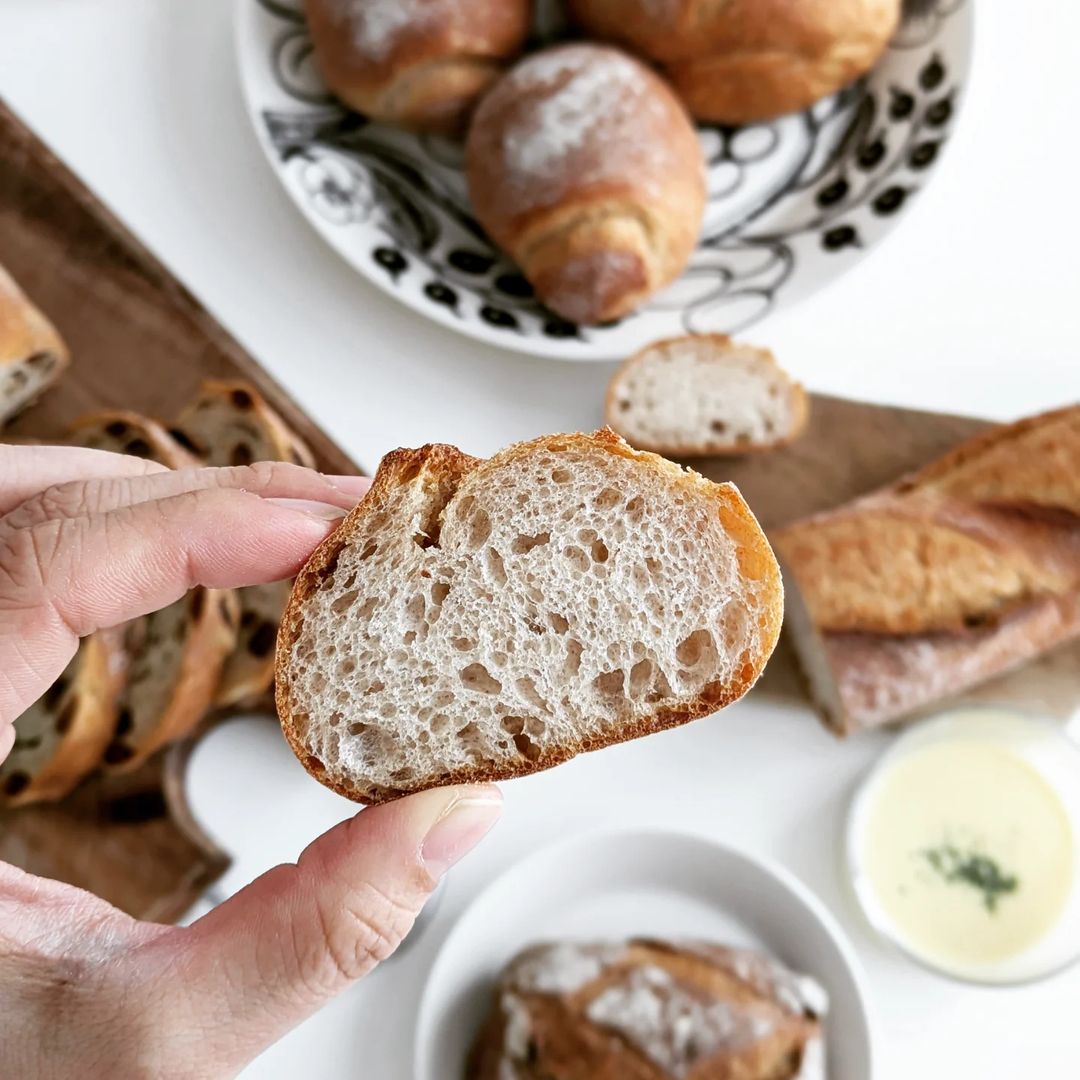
(410, 471)
(561, 476)
(496, 566)
(408, 637)
(335, 718)
(661, 689)
(526, 687)
(314, 764)
(558, 622)
(477, 677)
(587, 536)
(698, 647)
(522, 545)
(577, 558)
(440, 590)
(513, 725)
(572, 664)
(499, 659)
(641, 677)
(526, 747)
(599, 551)
(610, 683)
(635, 508)
(375, 687)
(367, 608)
(607, 499)
(464, 644)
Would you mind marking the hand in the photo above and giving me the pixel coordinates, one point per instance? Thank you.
(90, 540)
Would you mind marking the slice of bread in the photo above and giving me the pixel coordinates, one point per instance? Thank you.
(62, 736)
(32, 354)
(700, 395)
(480, 620)
(229, 423)
(176, 654)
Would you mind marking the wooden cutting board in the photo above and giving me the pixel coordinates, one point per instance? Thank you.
(139, 340)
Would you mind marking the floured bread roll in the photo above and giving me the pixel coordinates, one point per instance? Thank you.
(583, 165)
(650, 1010)
(738, 61)
(418, 63)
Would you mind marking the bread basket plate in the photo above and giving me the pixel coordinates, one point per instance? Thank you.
(792, 204)
(612, 885)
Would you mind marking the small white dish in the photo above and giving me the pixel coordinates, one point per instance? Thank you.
(792, 203)
(615, 885)
(963, 846)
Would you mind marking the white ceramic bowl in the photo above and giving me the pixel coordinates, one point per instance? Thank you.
(613, 885)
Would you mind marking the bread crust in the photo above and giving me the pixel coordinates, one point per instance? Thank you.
(598, 211)
(722, 343)
(447, 463)
(100, 675)
(423, 71)
(742, 61)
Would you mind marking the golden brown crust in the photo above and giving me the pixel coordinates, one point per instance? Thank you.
(740, 61)
(89, 724)
(449, 465)
(800, 401)
(584, 166)
(536, 1032)
(417, 64)
(125, 432)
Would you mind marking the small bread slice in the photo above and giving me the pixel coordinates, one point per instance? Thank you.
(229, 423)
(700, 395)
(60, 739)
(32, 353)
(479, 620)
(176, 654)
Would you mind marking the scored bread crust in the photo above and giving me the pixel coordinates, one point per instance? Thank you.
(92, 698)
(450, 465)
(246, 676)
(799, 400)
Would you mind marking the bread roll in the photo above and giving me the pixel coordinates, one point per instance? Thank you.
(650, 1010)
(584, 166)
(481, 620)
(738, 61)
(418, 63)
(705, 394)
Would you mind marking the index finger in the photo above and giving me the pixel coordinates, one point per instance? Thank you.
(26, 471)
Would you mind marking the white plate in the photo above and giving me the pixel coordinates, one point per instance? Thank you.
(609, 886)
(793, 203)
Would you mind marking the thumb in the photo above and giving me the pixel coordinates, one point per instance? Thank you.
(275, 952)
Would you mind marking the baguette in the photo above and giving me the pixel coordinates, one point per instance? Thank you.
(650, 1010)
(176, 654)
(62, 736)
(477, 620)
(229, 423)
(32, 354)
(704, 394)
(959, 572)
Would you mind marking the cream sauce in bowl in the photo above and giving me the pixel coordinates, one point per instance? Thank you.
(964, 845)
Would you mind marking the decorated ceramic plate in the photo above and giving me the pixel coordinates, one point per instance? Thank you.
(792, 203)
(610, 886)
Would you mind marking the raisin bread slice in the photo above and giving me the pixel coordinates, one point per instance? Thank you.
(32, 354)
(176, 654)
(60, 739)
(229, 423)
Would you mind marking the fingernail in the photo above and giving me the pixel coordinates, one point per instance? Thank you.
(355, 486)
(463, 824)
(322, 511)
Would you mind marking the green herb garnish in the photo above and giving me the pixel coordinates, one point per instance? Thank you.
(974, 869)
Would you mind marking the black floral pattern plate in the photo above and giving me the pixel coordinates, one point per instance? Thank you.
(792, 203)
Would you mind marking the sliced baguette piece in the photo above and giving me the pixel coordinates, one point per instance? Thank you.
(60, 739)
(229, 423)
(705, 394)
(480, 620)
(176, 654)
(32, 353)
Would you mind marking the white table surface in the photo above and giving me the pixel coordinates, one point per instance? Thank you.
(973, 305)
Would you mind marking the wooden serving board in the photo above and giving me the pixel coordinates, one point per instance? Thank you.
(140, 341)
